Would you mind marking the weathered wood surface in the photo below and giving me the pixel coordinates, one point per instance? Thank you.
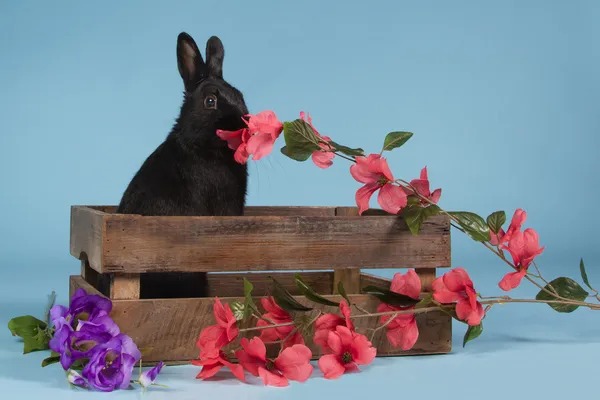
(232, 284)
(170, 327)
(134, 244)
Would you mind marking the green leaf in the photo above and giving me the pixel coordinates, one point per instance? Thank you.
(26, 326)
(300, 140)
(425, 301)
(473, 332)
(249, 305)
(495, 221)
(584, 275)
(50, 360)
(347, 150)
(394, 140)
(415, 215)
(567, 288)
(285, 300)
(35, 343)
(389, 297)
(238, 309)
(473, 225)
(310, 293)
(342, 292)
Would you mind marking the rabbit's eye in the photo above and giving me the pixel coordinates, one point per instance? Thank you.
(210, 102)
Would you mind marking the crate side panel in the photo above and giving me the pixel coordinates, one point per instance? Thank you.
(86, 235)
(171, 327)
(137, 244)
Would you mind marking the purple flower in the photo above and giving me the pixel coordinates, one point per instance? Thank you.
(75, 379)
(147, 378)
(111, 364)
(81, 344)
(87, 314)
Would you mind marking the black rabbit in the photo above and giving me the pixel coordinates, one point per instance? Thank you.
(193, 171)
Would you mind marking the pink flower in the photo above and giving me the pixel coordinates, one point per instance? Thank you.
(421, 185)
(212, 365)
(257, 139)
(265, 128)
(516, 223)
(293, 363)
(278, 316)
(402, 331)
(523, 247)
(348, 350)
(329, 322)
(456, 286)
(238, 141)
(375, 173)
(322, 158)
(213, 338)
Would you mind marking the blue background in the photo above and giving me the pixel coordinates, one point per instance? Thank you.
(502, 97)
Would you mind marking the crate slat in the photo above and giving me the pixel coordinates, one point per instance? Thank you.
(170, 327)
(116, 243)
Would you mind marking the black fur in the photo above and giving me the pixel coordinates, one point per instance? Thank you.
(193, 171)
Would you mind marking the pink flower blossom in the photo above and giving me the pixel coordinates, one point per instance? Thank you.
(523, 247)
(456, 286)
(214, 363)
(402, 331)
(292, 364)
(215, 337)
(257, 139)
(323, 157)
(375, 173)
(278, 316)
(329, 322)
(348, 350)
(421, 185)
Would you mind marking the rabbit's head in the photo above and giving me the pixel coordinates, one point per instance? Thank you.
(210, 103)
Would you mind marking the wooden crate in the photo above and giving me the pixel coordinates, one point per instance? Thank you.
(326, 244)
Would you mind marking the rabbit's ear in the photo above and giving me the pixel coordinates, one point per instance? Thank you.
(214, 56)
(189, 61)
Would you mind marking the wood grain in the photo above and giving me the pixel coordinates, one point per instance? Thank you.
(87, 233)
(259, 210)
(125, 286)
(350, 278)
(170, 327)
(232, 284)
(134, 244)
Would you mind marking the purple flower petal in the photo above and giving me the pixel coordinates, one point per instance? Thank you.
(147, 378)
(75, 379)
(88, 304)
(58, 313)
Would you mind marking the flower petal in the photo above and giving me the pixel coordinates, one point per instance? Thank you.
(408, 284)
(362, 351)
(322, 159)
(363, 196)
(260, 145)
(271, 378)
(404, 337)
(512, 280)
(331, 367)
(392, 198)
(294, 363)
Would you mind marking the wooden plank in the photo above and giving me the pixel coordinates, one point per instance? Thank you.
(125, 286)
(260, 210)
(87, 232)
(350, 278)
(135, 244)
(427, 276)
(370, 279)
(232, 284)
(171, 326)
